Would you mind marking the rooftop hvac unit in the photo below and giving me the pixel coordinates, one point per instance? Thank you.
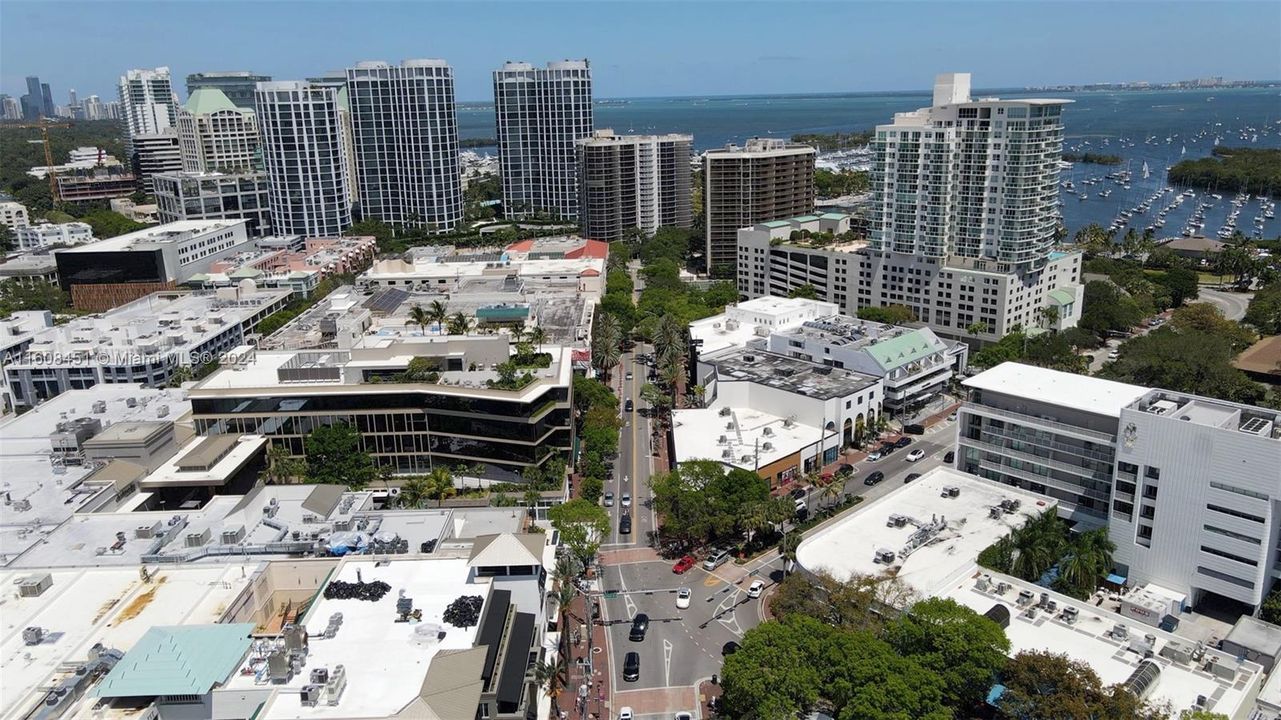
(131, 402)
(33, 635)
(1178, 652)
(728, 454)
(722, 439)
(311, 695)
(99, 407)
(162, 411)
(146, 532)
(724, 412)
(337, 683)
(34, 585)
(745, 459)
(233, 535)
(197, 539)
(999, 614)
(767, 447)
(768, 432)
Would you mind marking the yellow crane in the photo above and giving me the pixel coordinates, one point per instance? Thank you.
(48, 155)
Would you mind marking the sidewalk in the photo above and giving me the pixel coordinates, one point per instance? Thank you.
(595, 702)
(707, 691)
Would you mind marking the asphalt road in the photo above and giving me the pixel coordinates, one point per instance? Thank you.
(633, 466)
(1233, 304)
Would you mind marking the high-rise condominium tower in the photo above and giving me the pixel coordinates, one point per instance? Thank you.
(764, 180)
(542, 113)
(303, 151)
(238, 86)
(633, 181)
(405, 137)
(147, 103)
(969, 178)
(215, 134)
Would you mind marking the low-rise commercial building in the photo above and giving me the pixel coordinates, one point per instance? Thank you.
(42, 235)
(299, 267)
(16, 333)
(107, 273)
(186, 196)
(13, 215)
(29, 269)
(147, 341)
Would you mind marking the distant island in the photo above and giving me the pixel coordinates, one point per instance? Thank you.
(1208, 83)
(836, 141)
(1252, 170)
(1093, 158)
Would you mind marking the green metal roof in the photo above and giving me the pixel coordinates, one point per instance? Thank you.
(178, 660)
(833, 216)
(805, 218)
(908, 347)
(776, 223)
(246, 273)
(502, 313)
(209, 100)
(1062, 296)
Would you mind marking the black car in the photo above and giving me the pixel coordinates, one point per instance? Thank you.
(874, 478)
(798, 493)
(914, 429)
(631, 667)
(640, 626)
(625, 525)
(910, 477)
(730, 648)
(888, 447)
(629, 406)
(903, 442)
(845, 470)
(949, 457)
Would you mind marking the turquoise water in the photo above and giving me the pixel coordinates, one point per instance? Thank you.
(1092, 117)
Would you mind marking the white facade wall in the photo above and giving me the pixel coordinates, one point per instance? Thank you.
(34, 237)
(13, 215)
(225, 140)
(1205, 514)
(147, 103)
(302, 142)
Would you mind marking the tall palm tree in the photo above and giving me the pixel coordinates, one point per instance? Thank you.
(537, 336)
(414, 491)
(754, 518)
(831, 492)
(607, 339)
(553, 676)
(420, 317)
(440, 484)
(437, 311)
(787, 548)
(458, 324)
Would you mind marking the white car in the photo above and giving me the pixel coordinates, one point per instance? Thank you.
(915, 455)
(682, 716)
(682, 598)
(873, 457)
(626, 500)
(1115, 354)
(626, 713)
(755, 589)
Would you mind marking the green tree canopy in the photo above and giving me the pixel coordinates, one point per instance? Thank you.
(892, 314)
(700, 501)
(1041, 685)
(334, 456)
(965, 649)
(582, 525)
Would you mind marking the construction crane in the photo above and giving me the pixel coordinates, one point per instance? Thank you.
(48, 155)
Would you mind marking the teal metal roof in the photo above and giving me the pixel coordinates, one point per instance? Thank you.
(178, 660)
(805, 218)
(502, 313)
(833, 216)
(776, 223)
(210, 100)
(1062, 296)
(905, 348)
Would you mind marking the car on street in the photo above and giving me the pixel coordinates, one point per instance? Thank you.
(914, 429)
(626, 713)
(910, 477)
(797, 493)
(915, 455)
(685, 563)
(626, 500)
(800, 506)
(682, 716)
(874, 478)
(952, 416)
(949, 456)
(629, 406)
(730, 648)
(683, 596)
(629, 374)
(874, 456)
(845, 470)
(640, 626)
(903, 442)
(609, 499)
(888, 447)
(631, 667)
(755, 589)
(1114, 355)
(717, 558)
(625, 525)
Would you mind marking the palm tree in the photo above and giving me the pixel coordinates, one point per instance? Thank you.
(787, 548)
(607, 339)
(414, 491)
(673, 376)
(754, 518)
(831, 492)
(458, 324)
(553, 676)
(440, 485)
(1088, 559)
(281, 465)
(669, 340)
(437, 311)
(1049, 315)
(537, 336)
(696, 393)
(420, 317)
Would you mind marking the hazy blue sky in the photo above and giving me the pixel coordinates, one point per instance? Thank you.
(652, 48)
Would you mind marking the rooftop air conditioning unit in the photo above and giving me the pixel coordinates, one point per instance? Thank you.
(768, 432)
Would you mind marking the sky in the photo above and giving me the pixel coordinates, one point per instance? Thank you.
(641, 49)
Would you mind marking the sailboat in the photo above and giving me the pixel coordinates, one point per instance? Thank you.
(1184, 151)
(1146, 171)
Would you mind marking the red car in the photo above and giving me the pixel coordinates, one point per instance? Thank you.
(683, 564)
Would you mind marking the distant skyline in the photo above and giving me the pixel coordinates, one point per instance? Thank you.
(650, 49)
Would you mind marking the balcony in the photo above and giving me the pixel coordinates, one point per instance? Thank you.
(1034, 421)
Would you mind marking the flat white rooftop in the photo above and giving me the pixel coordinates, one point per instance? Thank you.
(760, 438)
(848, 546)
(107, 605)
(158, 235)
(1053, 387)
(386, 661)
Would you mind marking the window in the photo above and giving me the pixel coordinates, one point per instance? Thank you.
(1233, 535)
(1235, 513)
(1238, 491)
(1225, 577)
(1152, 473)
(1229, 556)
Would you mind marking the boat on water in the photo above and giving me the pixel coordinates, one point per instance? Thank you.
(1146, 172)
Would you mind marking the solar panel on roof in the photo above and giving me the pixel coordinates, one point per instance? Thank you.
(386, 301)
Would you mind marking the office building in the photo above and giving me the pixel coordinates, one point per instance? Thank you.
(629, 182)
(10, 108)
(93, 108)
(302, 146)
(542, 113)
(237, 86)
(1196, 505)
(46, 96)
(99, 184)
(299, 266)
(41, 235)
(409, 426)
(16, 333)
(13, 215)
(762, 181)
(405, 136)
(214, 196)
(144, 341)
(155, 154)
(112, 272)
(147, 103)
(216, 135)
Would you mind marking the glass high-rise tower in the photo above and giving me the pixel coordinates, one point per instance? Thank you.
(302, 148)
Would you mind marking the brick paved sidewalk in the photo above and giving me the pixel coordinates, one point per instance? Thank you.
(595, 703)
